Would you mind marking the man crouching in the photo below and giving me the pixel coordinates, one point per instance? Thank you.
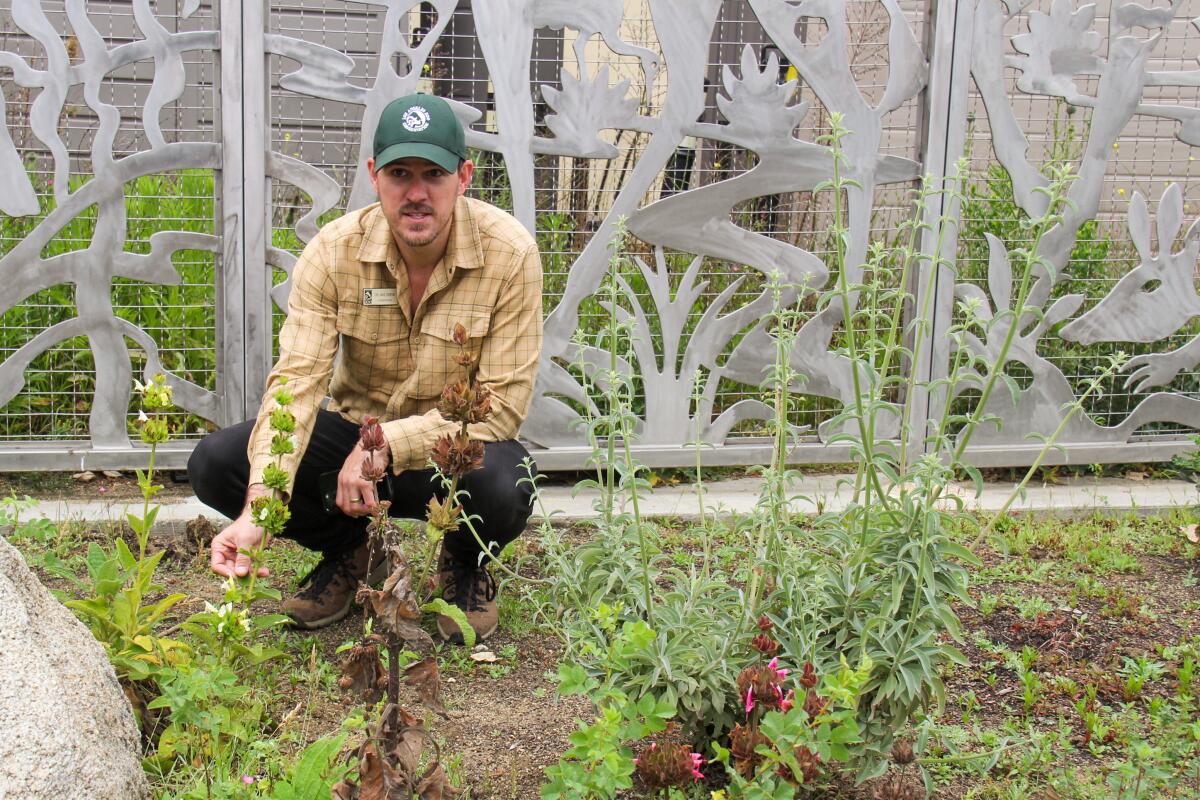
(375, 300)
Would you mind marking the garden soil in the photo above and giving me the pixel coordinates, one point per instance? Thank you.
(506, 724)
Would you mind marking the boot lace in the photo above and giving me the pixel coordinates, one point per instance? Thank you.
(469, 587)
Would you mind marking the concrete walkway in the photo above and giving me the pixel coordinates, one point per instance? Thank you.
(812, 493)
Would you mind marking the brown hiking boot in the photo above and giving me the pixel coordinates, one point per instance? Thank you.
(473, 589)
(329, 588)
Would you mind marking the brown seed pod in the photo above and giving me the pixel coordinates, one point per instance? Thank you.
(742, 744)
(765, 644)
(457, 455)
(666, 766)
(370, 435)
(808, 675)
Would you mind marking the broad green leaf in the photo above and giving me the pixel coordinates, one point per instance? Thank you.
(440, 606)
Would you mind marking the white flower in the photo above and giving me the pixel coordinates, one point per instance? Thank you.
(210, 608)
(142, 418)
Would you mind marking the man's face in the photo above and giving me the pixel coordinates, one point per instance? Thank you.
(418, 197)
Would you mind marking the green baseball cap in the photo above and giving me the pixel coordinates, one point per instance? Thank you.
(420, 126)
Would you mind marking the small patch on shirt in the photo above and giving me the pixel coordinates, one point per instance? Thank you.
(379, 297)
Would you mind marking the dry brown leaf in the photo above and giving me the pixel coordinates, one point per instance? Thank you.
(409, 743)
(344, 790)
(395, 606)
(1135, 476)
(436, 786)
(1190, 532)
(485, 656)
(84, 477)
(376, 778)
(363, 673)
(423, 676)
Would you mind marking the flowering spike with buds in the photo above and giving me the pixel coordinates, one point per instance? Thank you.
(765, 644)
(370, 434)
(808, 677)
(667, 766)
(442, 515)
(457, 455)
(371, 439)
(762, 685)
(466, 402)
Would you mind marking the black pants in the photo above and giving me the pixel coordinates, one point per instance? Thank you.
(219, 471)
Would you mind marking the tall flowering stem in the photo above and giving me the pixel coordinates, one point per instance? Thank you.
(466, 402)
(153, 430)
(269, 511)
(372, 441)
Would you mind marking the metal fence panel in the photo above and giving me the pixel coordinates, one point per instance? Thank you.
(162, 164)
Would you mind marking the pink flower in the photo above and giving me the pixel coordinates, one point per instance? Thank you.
(749, 700)
(785, 705)
(697, 763)
(774, 664)
(247, 779)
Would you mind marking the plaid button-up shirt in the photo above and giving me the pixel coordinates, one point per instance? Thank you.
(392, 363)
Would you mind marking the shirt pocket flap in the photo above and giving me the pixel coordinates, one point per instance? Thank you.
(376, 325)
(441, 323)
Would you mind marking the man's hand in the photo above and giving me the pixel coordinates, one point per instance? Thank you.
(241, 534)
(357, 496)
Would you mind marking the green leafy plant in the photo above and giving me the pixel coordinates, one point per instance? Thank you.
(873, 582)
(315, 772)
(1138, 672)
(119, 611)
(600, 761)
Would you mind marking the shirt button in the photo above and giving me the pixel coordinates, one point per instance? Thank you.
(418, 340)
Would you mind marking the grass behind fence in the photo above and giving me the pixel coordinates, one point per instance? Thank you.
(59, 383)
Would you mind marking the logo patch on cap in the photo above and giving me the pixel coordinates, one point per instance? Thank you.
(416, 119)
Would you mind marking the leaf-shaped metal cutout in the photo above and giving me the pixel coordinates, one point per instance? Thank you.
(583, 107)
(1170, 217)
(1139, 226)
(999, 273)
(757, 102)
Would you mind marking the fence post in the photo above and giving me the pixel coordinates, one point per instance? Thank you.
(945, 132)
(256, 200)
(231, 276)
(244, 338)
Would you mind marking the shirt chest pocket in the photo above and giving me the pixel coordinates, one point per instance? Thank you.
(371, 341)
(437, 352)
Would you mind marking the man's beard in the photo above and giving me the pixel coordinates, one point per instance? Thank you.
(421, 239)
